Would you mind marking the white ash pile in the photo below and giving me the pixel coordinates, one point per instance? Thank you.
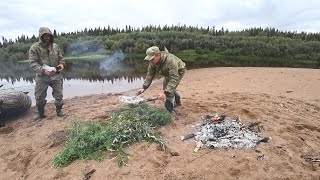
(220, 132)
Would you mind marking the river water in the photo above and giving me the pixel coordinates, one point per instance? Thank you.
(81, 77)
(76, 87)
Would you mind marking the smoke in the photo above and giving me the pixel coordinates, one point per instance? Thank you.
(115, 63)
(84, 45)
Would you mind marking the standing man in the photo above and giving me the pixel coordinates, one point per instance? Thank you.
(46, 60)
(172, 68)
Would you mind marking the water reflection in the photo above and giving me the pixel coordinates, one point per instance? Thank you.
(77, 87)
(81, 77)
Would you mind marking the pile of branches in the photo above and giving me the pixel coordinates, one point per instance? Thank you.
(132, 123)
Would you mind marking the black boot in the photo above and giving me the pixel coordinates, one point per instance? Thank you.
(169, 106)
(40, 114)
(1, 114)
(177, 99)
(59, 111)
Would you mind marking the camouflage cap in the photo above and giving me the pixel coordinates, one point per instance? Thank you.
(151, 52)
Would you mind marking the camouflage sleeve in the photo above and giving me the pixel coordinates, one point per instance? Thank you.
(61, 60)
(173, 79)
(34, 60)
(150, 76)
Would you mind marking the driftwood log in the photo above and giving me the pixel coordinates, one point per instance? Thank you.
(14, 102)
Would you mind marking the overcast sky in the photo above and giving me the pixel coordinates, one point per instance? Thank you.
(26, 16)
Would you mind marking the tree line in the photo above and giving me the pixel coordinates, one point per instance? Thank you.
(262, 42)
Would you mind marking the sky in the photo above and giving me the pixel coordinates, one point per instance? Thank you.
(19, 17)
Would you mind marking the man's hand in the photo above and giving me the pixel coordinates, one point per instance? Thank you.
(49, 73)
(60, 67)
(162, 96)
(140, 91)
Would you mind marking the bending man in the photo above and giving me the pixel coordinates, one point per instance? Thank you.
(172, 68)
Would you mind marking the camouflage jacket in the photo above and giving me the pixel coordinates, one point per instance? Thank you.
(49, 54)
(170, 67)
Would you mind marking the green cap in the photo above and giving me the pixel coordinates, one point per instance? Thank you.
(151, 52)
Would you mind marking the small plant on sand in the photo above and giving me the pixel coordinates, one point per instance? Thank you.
(132, 123)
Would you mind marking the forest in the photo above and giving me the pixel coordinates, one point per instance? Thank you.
(252, 42)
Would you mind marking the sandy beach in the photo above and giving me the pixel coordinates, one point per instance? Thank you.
(285, 100)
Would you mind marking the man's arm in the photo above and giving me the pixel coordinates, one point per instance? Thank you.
(150, 75)
(34, 60)
(61, 62)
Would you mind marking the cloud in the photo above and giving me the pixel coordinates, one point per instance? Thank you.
(25, 17)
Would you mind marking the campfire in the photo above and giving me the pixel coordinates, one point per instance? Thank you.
(220, 132)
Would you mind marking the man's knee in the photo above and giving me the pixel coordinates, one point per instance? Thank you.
(57, 93)
(58, 102)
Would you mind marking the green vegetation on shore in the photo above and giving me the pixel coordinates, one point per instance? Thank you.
(94, 56)
(83, 57)
(212, 59)
(194, 44)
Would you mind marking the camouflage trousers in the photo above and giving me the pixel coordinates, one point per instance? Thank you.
(40, 93)
(175, 97)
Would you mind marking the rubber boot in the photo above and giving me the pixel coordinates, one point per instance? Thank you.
(1, 114)
(169, 105)
(59, 111)
(40, 114)
(177, 99)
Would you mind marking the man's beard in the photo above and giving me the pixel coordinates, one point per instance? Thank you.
(46, 43)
